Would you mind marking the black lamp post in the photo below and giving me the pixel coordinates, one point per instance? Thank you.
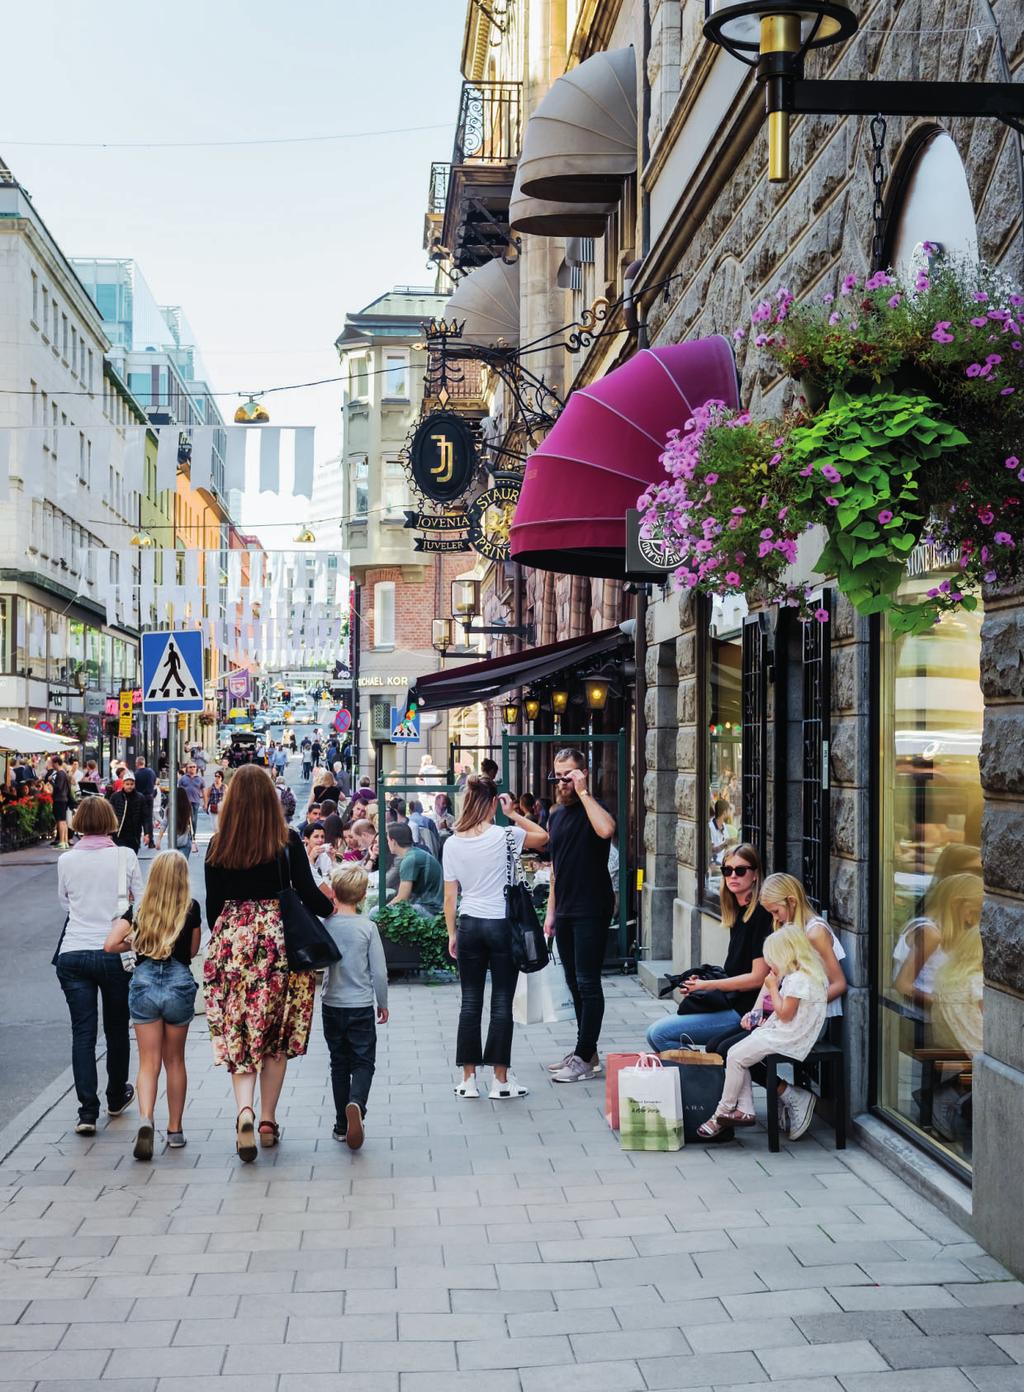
(773, 37)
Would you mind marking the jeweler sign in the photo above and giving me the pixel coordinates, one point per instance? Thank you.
(443, 457)
(450, 526)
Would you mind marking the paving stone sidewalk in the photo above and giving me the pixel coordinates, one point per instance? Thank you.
(500, 1247)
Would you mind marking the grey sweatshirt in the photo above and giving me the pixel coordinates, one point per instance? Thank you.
(362, 973)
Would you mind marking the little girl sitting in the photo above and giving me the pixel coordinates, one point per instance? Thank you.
(798, 1012)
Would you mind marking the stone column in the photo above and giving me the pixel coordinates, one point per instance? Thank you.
(999, 1070)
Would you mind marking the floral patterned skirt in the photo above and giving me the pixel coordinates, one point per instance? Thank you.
(255, 1006)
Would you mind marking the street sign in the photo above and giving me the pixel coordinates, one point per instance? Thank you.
(172, 671)
(45, 726)
(124, 712)
(239, 684)
(343, 721)
(405, 725)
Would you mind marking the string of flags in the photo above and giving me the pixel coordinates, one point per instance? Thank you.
(225, 456)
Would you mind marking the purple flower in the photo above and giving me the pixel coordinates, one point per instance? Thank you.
(979, 323)
(710, 479)
(885, 516)
(876, 281)
(990, 576)
(807, 472)
(933, 594)
(765, 549)
(1012, 462)
(833, 318)
(767, 534)
(979, 297)
(922, 282)
(830, 472)
(775, 459)
(821, 615)
(941, 332)
(1017, 301)
(739, 512)
(1007, 391)
(986, 516)
(993, 360)
(762, 313)
(974, 370)
(739, 335)
(894, 301)
(832, 502)
(731, 577)
(1003, 538)
(827, 299)
(849, 284)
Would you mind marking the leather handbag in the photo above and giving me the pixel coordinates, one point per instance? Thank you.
(307, 942)
(530, 950)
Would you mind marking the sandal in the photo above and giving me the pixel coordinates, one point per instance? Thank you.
(270, 1134)
(714, 1128)
(737, 1118)
(245, 1136)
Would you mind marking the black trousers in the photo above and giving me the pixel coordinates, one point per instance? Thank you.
(83, 976)
(351, 1034)
(484, 943)
(147, 817)
(581, 947)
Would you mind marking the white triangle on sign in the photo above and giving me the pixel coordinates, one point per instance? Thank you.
(172, 680)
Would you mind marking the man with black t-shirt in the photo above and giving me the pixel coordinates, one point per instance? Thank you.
(60, 790)
(580, 905)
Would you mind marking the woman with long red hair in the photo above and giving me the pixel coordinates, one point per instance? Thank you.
(257, 1010)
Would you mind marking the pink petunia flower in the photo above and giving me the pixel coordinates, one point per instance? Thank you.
(885, 516)
(731, 577)
(830, 472)
(821, 615)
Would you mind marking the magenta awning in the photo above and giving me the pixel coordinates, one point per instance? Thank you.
(606, 448)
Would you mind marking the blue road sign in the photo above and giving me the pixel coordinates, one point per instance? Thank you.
(172, 671)
(405, 728)
(343, 721)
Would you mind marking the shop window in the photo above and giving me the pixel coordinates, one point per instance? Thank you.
(723, 827)
(384, 614)
(929, 965)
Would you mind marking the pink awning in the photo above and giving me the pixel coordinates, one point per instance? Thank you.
(606, 448)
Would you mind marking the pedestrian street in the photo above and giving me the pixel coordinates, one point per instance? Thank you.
(500, 1247)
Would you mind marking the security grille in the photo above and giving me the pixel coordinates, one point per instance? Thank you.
(755, 732)
(380, 720)
(817, 704)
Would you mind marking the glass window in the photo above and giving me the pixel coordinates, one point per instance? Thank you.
(929, 1000)
(396, 492)
(64, 337)
(6, 633)
(725, 739)
(396, 375)
(360, 488)
(358, 379)
(384, 614)
(35, 298)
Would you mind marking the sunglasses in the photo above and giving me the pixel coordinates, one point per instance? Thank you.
(559, 777)
(736, 871)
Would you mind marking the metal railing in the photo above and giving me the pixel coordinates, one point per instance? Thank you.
(437, 194)
(489, 130)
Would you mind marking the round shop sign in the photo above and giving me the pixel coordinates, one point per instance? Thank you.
(442, 457)
(490, 520)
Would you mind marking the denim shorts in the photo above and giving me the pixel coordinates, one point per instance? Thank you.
(161, 991)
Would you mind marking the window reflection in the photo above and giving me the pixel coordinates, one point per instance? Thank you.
(725, 739)
(930, 974)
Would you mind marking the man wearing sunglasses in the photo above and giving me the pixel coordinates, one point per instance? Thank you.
(579, 905)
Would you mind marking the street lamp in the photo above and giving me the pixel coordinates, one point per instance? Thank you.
(441, 635)
(304, 537)
(774, 36)
(596, 689)
(510, 712)
(531, 708)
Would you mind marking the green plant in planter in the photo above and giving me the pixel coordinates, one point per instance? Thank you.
(402, 924)
(870, 468)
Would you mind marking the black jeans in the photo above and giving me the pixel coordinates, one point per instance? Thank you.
(581, 947)
(147, 817)
(483, 943)
(81, 976)
(351, 1035)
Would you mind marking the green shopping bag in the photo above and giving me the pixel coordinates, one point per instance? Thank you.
(650, 1106)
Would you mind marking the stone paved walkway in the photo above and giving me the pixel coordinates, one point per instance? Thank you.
(488, 1246)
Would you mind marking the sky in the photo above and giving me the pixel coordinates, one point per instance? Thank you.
(265, 247)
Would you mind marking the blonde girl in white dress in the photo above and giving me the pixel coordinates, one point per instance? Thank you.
(797, 986)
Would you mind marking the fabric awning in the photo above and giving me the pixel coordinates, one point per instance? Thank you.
(543, 217)
(581, 142)
(22, 739)
(482, 681)
(605, 448)
(487, 300)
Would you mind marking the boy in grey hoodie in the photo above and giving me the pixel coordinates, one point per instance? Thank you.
(351, 989)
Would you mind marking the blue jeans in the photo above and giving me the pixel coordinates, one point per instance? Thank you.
(82, 975)
(351, 1035)
(161, 991)
(667, 1033)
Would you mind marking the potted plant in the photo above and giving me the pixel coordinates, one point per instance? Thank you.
(412, 941)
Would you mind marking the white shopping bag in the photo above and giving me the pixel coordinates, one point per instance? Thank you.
(650, 1106)
(533, 1003)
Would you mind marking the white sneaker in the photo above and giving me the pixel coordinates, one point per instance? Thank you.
(595, 1064)
(501, 1092)
(467, 1088)
(784, 1122)
(800, 1104)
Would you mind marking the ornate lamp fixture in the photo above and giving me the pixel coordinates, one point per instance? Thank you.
(773, 37)
(531, 708)
(596, 689)
(441, 635)
(510, 712)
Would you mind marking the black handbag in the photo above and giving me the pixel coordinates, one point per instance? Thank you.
(307, 942)
(701, 1080)
(702, 1002)
(530, 950)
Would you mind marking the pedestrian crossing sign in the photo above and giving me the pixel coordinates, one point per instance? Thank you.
(172, 671)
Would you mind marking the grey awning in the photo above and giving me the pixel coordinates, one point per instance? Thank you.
(488, 301)
(544, 218)
(581, 142)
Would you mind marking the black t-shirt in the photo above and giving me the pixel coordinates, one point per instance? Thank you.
(746, 941)
(145, 781)
(583, 887)
(182, 949)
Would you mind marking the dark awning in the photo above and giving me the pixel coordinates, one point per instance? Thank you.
(482, 681)
(606, 448)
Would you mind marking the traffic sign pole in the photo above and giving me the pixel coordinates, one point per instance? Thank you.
(172, 780)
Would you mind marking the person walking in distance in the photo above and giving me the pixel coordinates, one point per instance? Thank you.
(130, 813)
(60, 789)
(580, 905)
(192, 782)
(145, 786)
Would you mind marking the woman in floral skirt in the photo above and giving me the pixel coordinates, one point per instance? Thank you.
(258, 1011)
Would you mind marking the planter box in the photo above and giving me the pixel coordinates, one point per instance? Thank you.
(401, 956)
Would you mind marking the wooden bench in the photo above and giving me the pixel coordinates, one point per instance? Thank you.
(828, 1054)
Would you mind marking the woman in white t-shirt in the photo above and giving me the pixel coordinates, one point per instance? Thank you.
(475, 861)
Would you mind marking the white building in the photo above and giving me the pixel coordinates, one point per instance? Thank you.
(66, 496)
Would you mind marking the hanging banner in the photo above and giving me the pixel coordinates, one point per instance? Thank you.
(437, 521)
(436, 544)
(239, 685)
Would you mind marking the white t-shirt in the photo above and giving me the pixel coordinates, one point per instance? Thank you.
(87, 884)
(478, 864)
(834, 1008)
(795, 1038)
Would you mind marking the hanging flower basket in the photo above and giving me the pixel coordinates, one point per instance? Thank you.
(908, 427)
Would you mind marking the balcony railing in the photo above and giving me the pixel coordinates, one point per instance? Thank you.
(490, 123)
(437, 194)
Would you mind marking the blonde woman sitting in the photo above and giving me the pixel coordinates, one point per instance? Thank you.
(797, 986)
(162, 993)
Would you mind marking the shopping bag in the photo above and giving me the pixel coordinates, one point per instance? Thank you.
(650, 1106)
(614, 1064)
(701, 1079)
(533, 1003)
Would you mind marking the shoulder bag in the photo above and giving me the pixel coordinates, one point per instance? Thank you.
(124, 908)
(529, 945)
(307, 942)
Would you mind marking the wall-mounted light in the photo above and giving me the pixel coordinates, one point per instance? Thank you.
(441, 635)
(559, 702)
(531, 708)
(510, 712)
(142, 539)
(596, 689)
(465, 599)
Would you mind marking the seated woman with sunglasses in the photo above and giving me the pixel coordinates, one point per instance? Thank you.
(745, 968)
